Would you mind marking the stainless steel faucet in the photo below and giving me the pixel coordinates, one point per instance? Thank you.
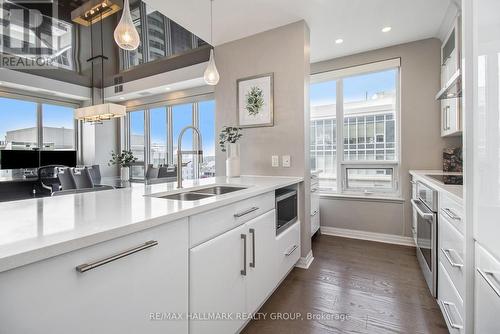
(180, 152)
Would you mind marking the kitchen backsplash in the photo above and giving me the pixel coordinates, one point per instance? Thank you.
(452, 159)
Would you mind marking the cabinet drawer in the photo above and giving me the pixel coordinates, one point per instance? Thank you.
(210, 224)
(288, 250)
(451, 211)
(315, 222)
(314, 203)
(50, 296)
(487, 281)
(451, 252)
(450, 303)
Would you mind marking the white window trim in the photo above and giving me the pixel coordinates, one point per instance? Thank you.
(339, 75)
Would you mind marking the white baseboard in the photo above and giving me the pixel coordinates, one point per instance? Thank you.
(305, 261)
(371, 236)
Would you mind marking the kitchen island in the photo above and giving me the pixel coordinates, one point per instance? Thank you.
(116, 261)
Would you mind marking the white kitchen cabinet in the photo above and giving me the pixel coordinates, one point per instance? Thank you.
(487, 292)
(287, 250)
(315, 220)
(261, 233)
(451, 119)
(486, 159)
(451, 53)
(217, 281)
(450, 302)
(119, 296)
(484, 148)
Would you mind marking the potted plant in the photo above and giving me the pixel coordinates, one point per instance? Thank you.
(123, 160)
(228, 142)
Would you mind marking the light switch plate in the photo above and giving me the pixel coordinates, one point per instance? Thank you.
(286, 161)
(275, 161)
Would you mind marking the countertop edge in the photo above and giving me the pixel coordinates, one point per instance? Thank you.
(421, 174)
(10, 262)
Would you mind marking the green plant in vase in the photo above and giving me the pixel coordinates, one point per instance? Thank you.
(228, 142)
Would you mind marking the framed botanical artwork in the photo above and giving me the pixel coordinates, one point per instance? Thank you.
(255, 101)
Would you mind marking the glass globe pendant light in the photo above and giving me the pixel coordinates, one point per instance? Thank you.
(126, 36)
(211, 75)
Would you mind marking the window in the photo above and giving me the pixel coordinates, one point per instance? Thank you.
(206, 122)
(324, 132)
(58, 127)
(26, 124)
(137, 142)
(368, 109)
(156, 35)
(165, 124)
(158, 133)
(18, 124)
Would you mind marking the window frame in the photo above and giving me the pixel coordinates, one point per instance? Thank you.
(169, 105)
(339, 76)
(40, 101)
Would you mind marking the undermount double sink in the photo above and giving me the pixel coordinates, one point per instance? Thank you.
(193, 195)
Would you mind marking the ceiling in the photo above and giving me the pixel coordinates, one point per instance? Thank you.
(357, 22)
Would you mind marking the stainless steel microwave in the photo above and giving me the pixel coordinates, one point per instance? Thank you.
(286, 208)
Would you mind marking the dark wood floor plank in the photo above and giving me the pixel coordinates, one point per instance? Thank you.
(354, 286)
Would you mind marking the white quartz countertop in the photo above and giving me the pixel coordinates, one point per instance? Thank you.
(35, 229)
(455, 191)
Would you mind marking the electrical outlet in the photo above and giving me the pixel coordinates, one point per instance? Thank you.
(275, 161)
(286, 161)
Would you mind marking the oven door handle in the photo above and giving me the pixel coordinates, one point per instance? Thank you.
(426, 215)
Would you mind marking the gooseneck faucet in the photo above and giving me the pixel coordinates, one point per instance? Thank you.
(180, 152)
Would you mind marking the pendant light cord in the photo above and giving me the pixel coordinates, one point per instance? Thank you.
(102, 63)
(211, 24)
(92, 63)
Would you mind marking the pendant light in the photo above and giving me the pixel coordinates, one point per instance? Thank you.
(97, 113)
(211, 75)
(126, 36)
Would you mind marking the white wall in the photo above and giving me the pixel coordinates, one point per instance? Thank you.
(421, 143)
(283, 51)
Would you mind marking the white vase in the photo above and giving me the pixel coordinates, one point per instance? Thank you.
(233, 160)
(125, 173)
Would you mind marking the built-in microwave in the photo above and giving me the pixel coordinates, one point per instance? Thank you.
(286, 208)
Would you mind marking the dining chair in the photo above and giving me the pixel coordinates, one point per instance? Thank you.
(82, 178)
(152, 173)
(66, 178)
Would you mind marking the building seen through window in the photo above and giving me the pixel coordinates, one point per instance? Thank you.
(369, 137)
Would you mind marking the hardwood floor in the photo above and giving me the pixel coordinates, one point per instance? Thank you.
(353, 286)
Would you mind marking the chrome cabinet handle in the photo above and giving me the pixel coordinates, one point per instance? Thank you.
(246, 212)
(314, 213)
(314, 190)
(446, 306)
(485, 274)
(89, 266)
(451, 214)
(252, 232)
(292, 250)
(424, 215)
(447, 254)
(244, 270)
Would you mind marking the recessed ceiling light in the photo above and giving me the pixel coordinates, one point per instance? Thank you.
(122, 98)
(339, 41)
(386, 29)
(168, 88)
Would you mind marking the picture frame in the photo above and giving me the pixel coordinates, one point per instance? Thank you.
(255, 101)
